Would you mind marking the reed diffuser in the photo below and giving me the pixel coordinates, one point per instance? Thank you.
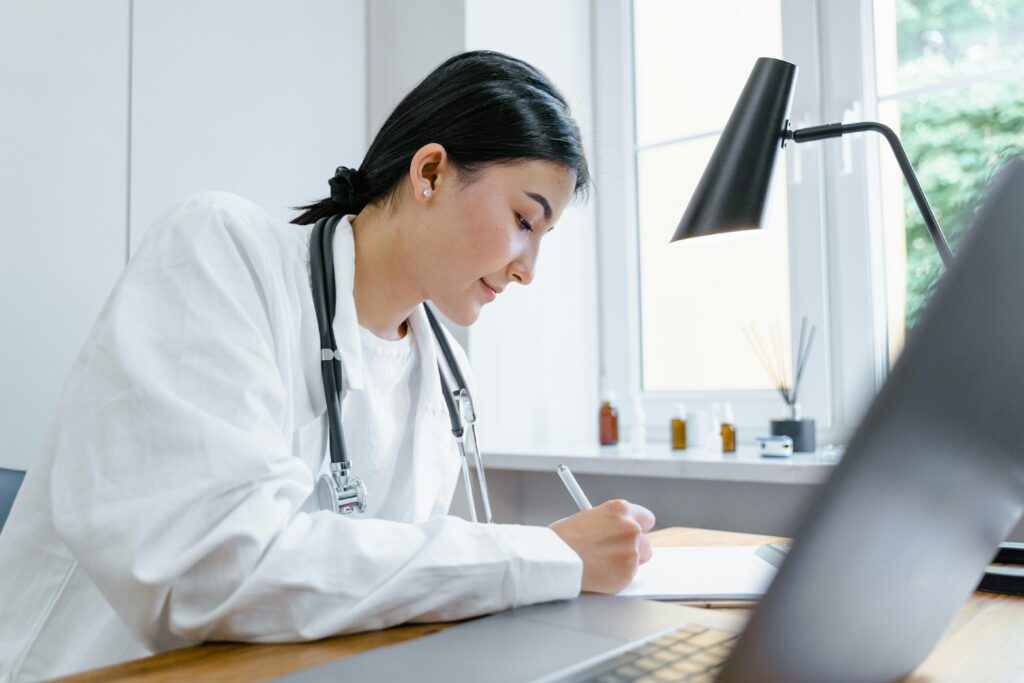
(786, 379)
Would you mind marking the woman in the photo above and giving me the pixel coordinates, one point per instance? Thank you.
(173, 501)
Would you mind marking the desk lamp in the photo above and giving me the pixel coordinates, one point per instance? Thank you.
(733, 191)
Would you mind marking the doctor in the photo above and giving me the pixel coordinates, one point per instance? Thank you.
(173, 499)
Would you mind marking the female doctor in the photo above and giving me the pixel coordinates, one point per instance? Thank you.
(173, 500)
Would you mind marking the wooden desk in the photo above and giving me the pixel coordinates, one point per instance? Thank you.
(983, 643)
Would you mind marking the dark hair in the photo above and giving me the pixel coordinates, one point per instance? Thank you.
(483, 107)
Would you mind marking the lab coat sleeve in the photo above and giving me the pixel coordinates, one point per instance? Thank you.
(175, 488)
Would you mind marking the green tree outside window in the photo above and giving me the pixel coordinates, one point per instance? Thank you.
(957, 136)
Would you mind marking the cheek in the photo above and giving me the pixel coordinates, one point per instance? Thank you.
(490, 248)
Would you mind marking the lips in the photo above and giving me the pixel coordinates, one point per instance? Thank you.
(490, 292)
(496, 290)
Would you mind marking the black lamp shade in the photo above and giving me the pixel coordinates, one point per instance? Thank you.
(733, 191)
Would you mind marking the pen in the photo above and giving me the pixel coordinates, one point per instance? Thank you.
(574, 488)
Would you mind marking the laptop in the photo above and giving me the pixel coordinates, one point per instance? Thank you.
(897, 540)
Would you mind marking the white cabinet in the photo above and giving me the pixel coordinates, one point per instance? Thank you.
(256, 97)
(63, 196)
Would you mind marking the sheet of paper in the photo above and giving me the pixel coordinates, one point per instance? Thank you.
(702, 573)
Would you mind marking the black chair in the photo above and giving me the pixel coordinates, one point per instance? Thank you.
(10, 482)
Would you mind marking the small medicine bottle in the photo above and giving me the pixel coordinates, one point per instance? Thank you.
(608, 420)
(728, 428)
(678, 426)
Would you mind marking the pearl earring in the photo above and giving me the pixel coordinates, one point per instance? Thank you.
(427, 193)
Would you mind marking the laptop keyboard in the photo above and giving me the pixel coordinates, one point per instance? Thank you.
(693, 653)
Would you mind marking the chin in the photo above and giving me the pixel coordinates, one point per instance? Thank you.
(464, 314)
(466, 317)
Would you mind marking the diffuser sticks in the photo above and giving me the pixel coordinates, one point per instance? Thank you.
(786, 382)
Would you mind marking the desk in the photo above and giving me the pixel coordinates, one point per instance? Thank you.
(983, 643)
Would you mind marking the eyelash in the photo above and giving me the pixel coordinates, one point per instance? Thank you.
(523, 223)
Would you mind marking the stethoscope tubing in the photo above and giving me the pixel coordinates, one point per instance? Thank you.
(458, 401)
(323, 300)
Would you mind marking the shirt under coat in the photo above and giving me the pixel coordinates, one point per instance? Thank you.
(171, 502)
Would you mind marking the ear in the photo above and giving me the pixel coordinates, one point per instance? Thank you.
(428, 170)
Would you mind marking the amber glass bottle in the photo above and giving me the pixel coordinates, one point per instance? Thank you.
(608, 420)
(678, 426)
(728, 429)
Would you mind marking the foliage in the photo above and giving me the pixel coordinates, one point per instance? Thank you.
(955, 137)
(958, 30)
(955, 143)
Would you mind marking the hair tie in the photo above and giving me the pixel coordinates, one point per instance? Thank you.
(343, 185)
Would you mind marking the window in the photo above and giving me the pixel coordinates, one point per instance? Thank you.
(696, 297)
(672, 316)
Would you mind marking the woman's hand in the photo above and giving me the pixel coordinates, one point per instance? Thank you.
(610, 540)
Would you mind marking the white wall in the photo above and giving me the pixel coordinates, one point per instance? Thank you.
(114, 106)
(63, 196)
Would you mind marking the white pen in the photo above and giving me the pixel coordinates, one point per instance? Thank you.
(574, 488)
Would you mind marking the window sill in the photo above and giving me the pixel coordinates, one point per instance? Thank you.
(658, 460)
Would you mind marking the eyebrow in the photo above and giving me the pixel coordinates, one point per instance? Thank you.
(539, 198)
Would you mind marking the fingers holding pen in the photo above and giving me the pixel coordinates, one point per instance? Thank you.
(610, 539)
(644, 520)
(643, 517)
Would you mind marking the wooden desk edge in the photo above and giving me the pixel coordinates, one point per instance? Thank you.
(244, 661)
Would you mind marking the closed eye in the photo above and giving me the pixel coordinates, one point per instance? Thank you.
(523, 223)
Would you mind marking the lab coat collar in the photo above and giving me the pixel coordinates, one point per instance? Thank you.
(345, 324)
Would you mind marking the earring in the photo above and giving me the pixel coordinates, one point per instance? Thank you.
(427, 192)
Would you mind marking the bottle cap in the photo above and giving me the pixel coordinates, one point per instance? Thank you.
(725, 413)
(608, 396)
(716, 414)
(681, 411)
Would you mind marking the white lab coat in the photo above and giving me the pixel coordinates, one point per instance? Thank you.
(171, 501)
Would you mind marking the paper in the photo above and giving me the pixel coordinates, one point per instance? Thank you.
(702, 573)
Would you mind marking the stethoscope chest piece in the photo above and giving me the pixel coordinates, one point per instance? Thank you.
(341, 492)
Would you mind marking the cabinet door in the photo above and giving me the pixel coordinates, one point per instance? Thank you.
(63, 196)
(256, 97)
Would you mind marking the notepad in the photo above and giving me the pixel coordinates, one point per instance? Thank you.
(702, 573)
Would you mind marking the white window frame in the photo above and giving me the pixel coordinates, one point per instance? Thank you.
(837, 267)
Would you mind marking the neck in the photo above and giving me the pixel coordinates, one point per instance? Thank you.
(383, 293)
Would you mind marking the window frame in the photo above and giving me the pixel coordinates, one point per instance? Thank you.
(837, 276)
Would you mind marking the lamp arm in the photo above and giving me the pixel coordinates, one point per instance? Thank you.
(834, 130)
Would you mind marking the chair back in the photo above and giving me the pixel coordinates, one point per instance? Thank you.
(10, 482)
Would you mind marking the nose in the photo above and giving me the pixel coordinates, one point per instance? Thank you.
(521, 270)
(521, 275)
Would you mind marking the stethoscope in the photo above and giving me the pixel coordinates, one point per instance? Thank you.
(340, 490)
